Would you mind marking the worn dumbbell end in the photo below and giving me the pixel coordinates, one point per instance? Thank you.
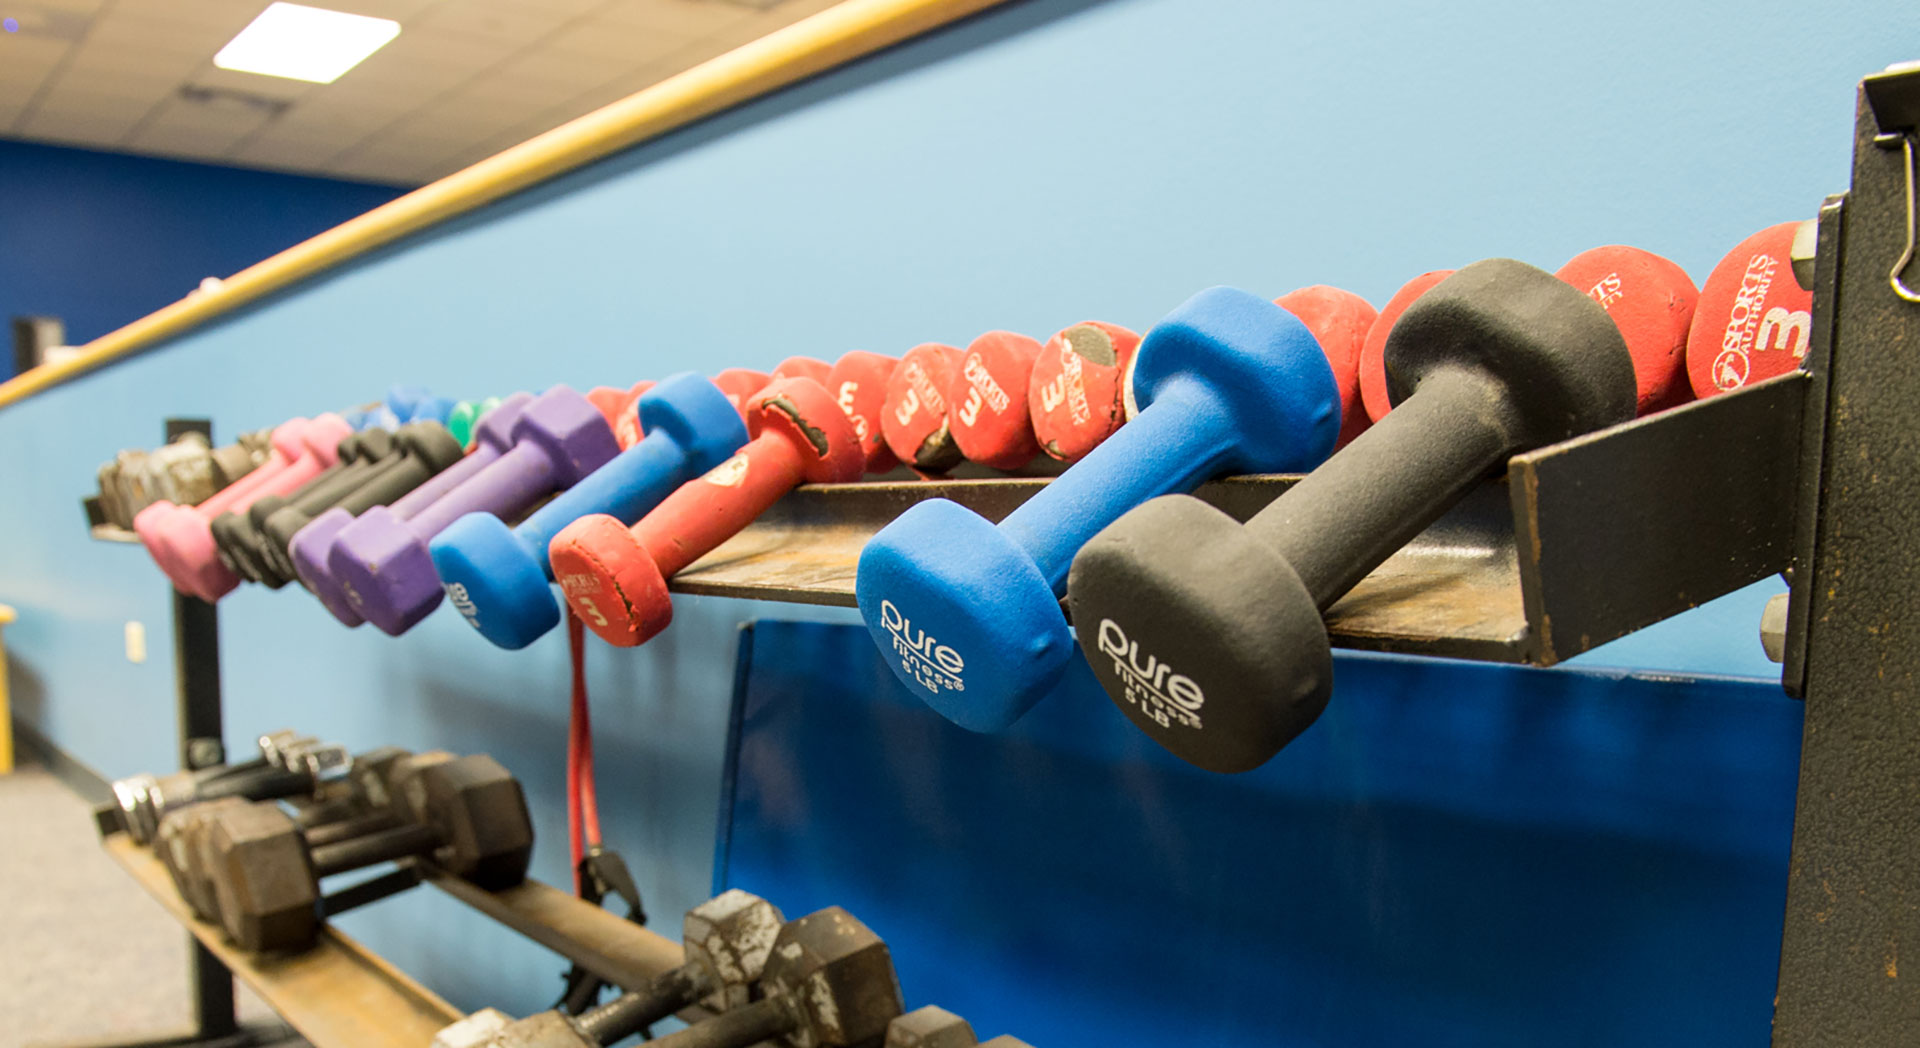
(480, 814)
(383, 564)
(805, 367)
(311, 551)
(499, 578)
(264, 887)
(988, 401)
(858, 382)
(1208, 635)
(967, 613)
(177, 843)
(614, 577)
(930, 1027)
(477, 1029)
(829, 983)
(1076, 396)
(915, 421)
(1373, 352)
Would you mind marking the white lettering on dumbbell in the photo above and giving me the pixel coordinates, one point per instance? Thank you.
(730, 473)
(984, 387)
(1780, 329)
(930, 663)
(579, 586)
(1152, 685)
(462, 602)
(849, 390)
(1607, 291)
(1730, 367)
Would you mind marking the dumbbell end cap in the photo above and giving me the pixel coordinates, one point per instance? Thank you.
(1201, 634)
(385, 571)
(496, 583)
(309, 550)
(697, 415)
(962, 615)
(610, 581)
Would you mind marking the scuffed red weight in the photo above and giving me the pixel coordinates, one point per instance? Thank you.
(615, 577)
(914, 420)
(1651, 300)
(988, 401)
(858, 382)
(805, 367)
(626, 418)
(1340, 321)
(1075, 398)
(1754, 319)
(1373, 352)
(740, 384)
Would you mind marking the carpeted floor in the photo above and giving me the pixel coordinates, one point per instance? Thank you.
(87, 956)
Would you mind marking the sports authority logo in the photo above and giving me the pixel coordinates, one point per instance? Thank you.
(581, 588)
(1751, 330)
(931, 664)
(457, 593)
(730, 473)
(1152, 685)
(1607, 291)
(1069, 387)
(920, 389)
(985, 391)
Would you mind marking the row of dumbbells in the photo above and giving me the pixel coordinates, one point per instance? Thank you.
(821, 981)
(1209, 636)
(241, 860)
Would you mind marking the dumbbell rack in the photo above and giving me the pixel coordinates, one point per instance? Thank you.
(1816, 474)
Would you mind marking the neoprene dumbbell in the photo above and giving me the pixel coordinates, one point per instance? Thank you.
(1373, 353)
(1754, 319)
(1340, 321)
(185, 539)
(499, 578)
(473, 823)
(988, 411)
(382, 563)
(422, 450)
(967, 613)
(234, 534)
(914, 420)
(740, 384)
(828, 983)
(858, 382)
(1651, 301)
(726, 938)
(466, 415)
(615, 577)
(311, 550)
(287, 444)
(806, 367)
(1208, 634)
(294, 768)
(1076, 395)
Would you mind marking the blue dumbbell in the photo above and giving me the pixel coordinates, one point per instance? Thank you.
(499, 578)
(968, 614)
(431, 409)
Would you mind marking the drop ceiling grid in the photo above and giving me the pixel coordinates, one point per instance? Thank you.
(464, 79)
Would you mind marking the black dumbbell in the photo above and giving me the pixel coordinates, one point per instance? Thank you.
(727, 939)
(467, 815)
(356, 455)
(1208, 634)
(828, 983)
(425, 449)
(288, 767)
(181, 840)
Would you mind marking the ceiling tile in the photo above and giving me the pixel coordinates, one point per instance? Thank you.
(100, 128)
(199, 120)
(99, 79)
(228, 16)
(400, 172)
(103, 62)
(422, 68)
(71, 102)
(277, 88)
(515, 26)
(557, 76)
(293, 153)
(26, 60)
(10, 111)
(402, 11)
(684, 18)
(78, 6)
(632, 44)
(155, 33)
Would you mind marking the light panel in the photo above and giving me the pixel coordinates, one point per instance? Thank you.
(298, 42)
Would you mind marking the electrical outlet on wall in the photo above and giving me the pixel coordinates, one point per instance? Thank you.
(136, 642)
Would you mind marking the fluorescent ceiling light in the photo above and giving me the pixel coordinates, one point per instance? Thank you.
(305, 43)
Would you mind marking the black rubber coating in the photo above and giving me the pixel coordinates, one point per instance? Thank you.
(633, 1012)
(235, 535)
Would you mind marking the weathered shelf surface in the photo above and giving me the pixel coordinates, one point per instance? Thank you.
(337, 994)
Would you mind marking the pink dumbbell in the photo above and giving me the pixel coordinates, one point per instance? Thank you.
(286, 446)
(182, 541)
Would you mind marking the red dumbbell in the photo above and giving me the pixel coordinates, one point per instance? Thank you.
(987, 403)
(1373, 353)
(914, 421)
(615, 577)
(858, 382)
(1651, 300)
(803, 367)
(739, 384)
(1754, 320)
(1340, 320)
(1076, 397)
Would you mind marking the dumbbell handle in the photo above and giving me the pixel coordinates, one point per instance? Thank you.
(762, 1020)
(1374, 495)
(515, 479)
(421, 498)
(1186, 427)
(403, 476)
(338, 830)
(636, 1010)
(696, 518)
(399, 842)
(640, 477)
(261, 784)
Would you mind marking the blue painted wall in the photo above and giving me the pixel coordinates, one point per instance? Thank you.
(1048, 162)
(102, 239)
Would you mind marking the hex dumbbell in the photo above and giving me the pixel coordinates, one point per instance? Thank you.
(311, 550)
(472, 822)
(1208, 635)
(935, 1027)
(382, 563)
(287, 444)
(727, 940)
(294, 769)
(967, 613)
(828, 983)
(740, 384)
(423, 450)
(615, 577)
(234, 533)
(499, 578)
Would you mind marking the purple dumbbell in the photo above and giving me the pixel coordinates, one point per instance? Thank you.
(312, 546)
(382, 564)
